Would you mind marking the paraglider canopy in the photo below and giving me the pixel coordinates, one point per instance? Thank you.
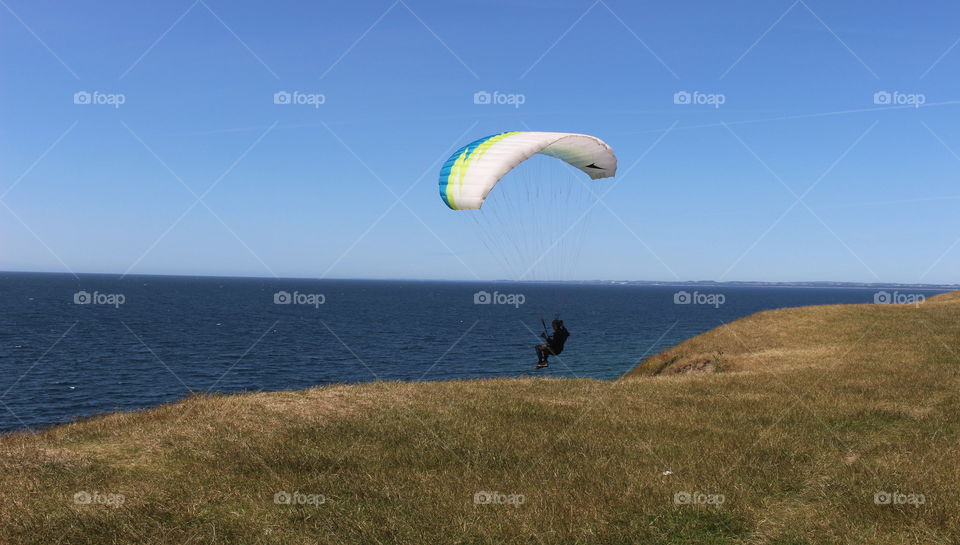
(471, 172)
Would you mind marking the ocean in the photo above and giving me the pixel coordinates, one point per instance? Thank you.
(71, 348)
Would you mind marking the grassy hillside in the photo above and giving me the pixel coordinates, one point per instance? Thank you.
(808, 414)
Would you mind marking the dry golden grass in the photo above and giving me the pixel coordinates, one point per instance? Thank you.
(806, 415)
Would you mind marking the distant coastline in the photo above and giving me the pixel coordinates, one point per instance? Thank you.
(759, 284)
(666, 283)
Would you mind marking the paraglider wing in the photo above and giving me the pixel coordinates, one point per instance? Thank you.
(471, 172)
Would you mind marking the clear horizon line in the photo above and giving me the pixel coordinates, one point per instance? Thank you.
(501, 280)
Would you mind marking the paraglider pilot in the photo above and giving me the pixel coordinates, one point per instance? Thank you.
(553, 345)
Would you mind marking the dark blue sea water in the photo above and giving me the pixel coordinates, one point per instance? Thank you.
(71, 348)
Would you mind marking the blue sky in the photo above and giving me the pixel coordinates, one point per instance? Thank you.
(296, 190)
